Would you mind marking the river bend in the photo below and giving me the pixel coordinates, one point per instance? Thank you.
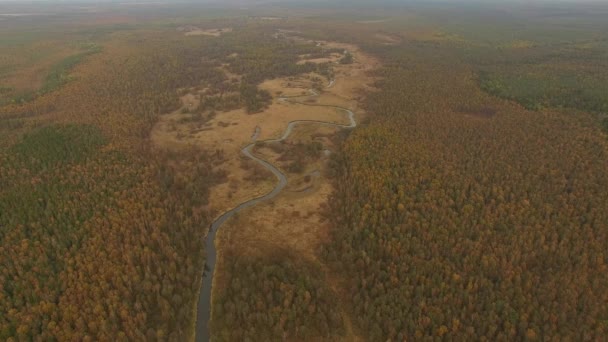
(204, 302)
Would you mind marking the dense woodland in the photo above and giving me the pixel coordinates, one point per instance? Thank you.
(459, 215)
(549, 76)
(97, 230)
(102, 236)
(471, 204)
(274, 298)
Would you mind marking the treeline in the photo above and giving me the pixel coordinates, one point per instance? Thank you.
(485, 223)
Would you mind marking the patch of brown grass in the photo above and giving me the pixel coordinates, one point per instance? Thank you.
(231, 131)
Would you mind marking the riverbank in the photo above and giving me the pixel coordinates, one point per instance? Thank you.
(293, 219)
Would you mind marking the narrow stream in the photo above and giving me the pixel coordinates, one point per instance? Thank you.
(204, 302)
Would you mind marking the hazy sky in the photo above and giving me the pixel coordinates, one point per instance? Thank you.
(309, 1)
(313, 2)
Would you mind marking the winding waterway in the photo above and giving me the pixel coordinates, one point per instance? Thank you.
(204, 302)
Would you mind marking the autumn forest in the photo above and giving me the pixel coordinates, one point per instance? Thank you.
(324, 171)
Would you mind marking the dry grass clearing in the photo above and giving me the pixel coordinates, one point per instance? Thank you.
(231, 131)
(293, 220)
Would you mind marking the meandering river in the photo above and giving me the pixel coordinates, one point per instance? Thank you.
(204, 303)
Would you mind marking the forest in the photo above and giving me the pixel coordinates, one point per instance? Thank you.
(104, 226)
(275, 297)
(96, 226)
(470, 203)
(461, 215)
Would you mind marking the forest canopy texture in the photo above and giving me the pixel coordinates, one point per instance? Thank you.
(460, 214)
(470, 203)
